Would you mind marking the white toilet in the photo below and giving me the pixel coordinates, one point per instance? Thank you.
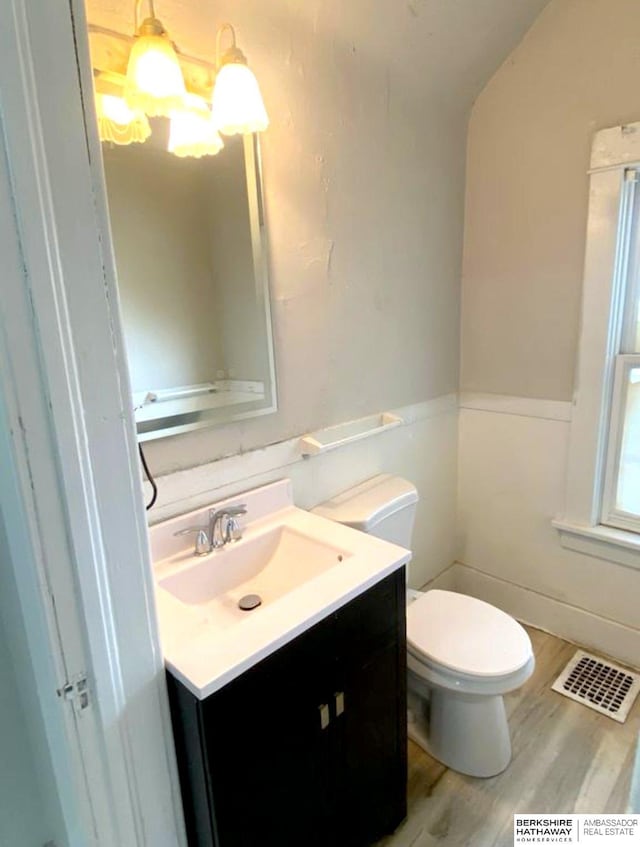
(463, 654)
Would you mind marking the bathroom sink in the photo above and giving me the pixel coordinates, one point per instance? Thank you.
(269, 564)
(302, 567)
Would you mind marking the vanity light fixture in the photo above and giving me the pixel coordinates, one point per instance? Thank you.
(154, 85)
(237, 104)
(118, 123)
(192, 131)
(154, 81)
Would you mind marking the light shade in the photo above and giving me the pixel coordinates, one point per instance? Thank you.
(154, 81)
(237, 104)
(118, 123)
(192, 131)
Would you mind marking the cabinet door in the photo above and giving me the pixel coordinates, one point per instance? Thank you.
(374, 742)
(267, 749)
(371, 714)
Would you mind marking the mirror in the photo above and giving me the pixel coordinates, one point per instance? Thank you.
(190, 249)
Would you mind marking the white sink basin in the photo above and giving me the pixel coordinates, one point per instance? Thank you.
(269, 564)
(301, 565)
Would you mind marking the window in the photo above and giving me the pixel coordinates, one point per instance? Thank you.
(621, 490)
(602, 510)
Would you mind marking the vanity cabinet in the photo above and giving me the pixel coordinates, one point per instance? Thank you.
(308, 747)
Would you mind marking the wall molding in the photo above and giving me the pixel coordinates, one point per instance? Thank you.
(187, 489)
(184, 490)
(506, 404)
(564, 620)
(602, 542)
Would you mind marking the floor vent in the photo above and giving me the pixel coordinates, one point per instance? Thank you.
(599, 684)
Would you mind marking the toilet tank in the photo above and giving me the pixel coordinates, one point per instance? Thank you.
(384, 506)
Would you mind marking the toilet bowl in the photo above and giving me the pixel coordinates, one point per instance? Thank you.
(463, 654)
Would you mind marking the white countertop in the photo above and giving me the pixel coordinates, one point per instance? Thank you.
(204, 654)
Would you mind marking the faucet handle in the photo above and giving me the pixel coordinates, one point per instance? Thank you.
(232, 530)
(203, 545)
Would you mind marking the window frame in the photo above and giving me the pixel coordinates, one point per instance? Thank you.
(589, 523)
(623, 322)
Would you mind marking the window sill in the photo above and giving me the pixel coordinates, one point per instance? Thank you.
(603, 542)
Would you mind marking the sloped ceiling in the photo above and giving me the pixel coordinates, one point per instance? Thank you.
(446, 48)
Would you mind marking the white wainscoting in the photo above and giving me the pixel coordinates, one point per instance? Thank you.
(423, 449)
(580, 626)
(511, 484)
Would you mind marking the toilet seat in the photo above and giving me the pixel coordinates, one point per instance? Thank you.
(487, 643)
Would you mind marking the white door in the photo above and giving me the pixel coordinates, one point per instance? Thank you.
(70, 491)
(35, 522)
(43, 794)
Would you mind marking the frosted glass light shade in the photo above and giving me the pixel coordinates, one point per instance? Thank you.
(237, 104)
(154, 81)
(118, 123)
(192, 131)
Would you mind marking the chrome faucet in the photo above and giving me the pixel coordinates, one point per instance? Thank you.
(223, 525)
(223, 528)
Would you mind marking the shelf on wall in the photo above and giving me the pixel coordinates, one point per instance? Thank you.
(332, 437)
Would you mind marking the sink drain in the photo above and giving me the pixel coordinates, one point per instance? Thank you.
(249, 602)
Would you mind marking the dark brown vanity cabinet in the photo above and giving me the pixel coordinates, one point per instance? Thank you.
(308, 747)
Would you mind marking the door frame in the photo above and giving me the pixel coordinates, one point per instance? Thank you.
(64, 388)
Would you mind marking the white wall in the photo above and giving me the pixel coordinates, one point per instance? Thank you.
(530, 137)
(529, 143)
(364, 169)
(364, 181)
(423, 450)
(512, 471)
(364, 174)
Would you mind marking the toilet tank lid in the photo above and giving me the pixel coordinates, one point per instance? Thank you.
(365, 505)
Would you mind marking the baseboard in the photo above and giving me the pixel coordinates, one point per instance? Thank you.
(562, 619)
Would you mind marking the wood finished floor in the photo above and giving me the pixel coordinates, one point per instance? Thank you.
(566, 758)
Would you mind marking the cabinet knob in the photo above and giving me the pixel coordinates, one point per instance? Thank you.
(324, 715)
(339, 698)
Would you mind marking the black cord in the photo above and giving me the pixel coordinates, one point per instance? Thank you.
(152, 481)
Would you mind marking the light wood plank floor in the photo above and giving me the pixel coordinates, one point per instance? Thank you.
(566, 758)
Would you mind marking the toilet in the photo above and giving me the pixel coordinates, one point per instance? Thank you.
(463, 654)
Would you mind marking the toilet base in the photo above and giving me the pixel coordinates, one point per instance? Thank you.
(467, 733)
